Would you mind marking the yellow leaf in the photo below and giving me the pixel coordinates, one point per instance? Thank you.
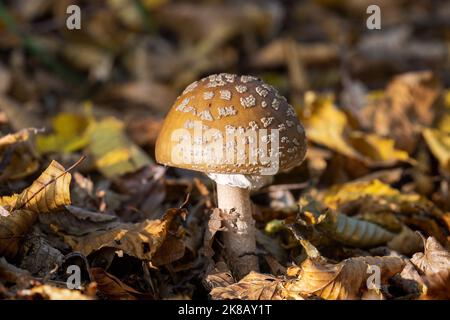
(49, 192)
(376, 148)
(69, 134)
(326, 125)
(379, 195)
(113, 152)
(439, 143)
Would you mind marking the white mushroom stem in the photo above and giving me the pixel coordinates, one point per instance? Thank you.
(239, 240)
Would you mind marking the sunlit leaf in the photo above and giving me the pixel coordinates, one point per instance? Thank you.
(344, 280)
(254, 286)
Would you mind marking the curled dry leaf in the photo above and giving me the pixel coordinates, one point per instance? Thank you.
(355, 232)
(434, 259)
(344, 280)
(406, 242)
(113, 288)
(139, 240)
(345, 229)
(427, 274)
(49, 192)
(434, 267)
(254, 286)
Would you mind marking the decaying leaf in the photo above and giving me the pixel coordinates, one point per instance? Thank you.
(78, 222)
(344, 280)
(38, 256)
(113, 288)
(171, 250)
(139, 240)
(13, 228)
(254, 286)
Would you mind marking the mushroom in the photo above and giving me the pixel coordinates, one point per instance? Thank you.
(240, 132)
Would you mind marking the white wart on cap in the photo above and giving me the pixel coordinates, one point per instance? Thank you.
(231, 104)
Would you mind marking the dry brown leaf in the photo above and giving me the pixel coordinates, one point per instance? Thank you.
(77, 221)
(12, 274)
(18, 156)
(170, 251)
(48, 292)
(427, 274)
(47, 193)
(219, 276)
(355, 232)
(408, 104)
(254, 286)
(13, 228)
(113, 288)
(139, 240)
(38, 256)
(344, 280)
(406, 242)
(434, 259)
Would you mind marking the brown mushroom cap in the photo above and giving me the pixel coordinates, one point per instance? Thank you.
(231, 103)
